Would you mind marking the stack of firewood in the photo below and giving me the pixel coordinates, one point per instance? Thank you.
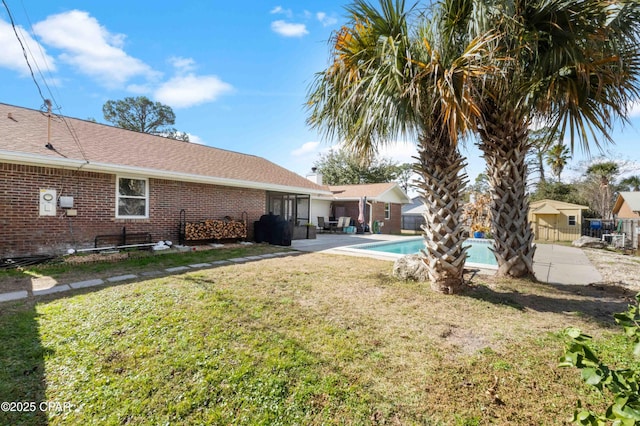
(215, 230)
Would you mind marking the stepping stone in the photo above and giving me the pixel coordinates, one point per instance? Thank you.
(88, 283)
(55, 289)
(151, 273)
(121, 278)
(200, 265)
(14, 295)
(239, 259)
(177, 269)
(220, 262)
(253, 257)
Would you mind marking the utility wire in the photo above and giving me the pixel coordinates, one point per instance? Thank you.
(72, 131)
(24, 51)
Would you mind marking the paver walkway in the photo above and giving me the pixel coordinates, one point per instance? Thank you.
(22, 294)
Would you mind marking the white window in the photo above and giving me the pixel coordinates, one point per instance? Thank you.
(572, 220)
(132, 198)
(387, 210)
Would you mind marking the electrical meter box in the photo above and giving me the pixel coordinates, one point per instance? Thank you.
(66, 202)
(47, 202)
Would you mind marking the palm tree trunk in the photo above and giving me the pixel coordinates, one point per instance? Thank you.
(440, 166)
(504, 143)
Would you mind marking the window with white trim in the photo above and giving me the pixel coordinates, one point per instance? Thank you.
(571, 220)
(387, 210)
(132, 198)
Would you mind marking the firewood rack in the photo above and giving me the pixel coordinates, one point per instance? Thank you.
(212, 229)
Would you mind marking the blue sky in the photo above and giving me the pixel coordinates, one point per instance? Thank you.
(235, 73)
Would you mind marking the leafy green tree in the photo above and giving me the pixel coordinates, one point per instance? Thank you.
(569, 193)
(343, 168)
(142, 115)
(631, 183)
(557, 158)
(481, 184)
(394, 71)
(574, 64)
(404, 175)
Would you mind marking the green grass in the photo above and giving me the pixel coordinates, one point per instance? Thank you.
(136, 260)
(312, 339)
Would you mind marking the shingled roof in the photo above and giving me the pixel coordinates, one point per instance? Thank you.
(24, 134)
(373, 191)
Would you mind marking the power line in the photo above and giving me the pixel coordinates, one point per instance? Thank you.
(70, 128)
(24, 51)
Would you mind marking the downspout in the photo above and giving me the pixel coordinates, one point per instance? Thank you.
(370, 216)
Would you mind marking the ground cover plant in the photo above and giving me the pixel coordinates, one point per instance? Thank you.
(309, 339)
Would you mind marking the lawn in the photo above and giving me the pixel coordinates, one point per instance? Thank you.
(310, 339)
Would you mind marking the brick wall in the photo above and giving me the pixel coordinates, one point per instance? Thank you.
(25, 232)
(391, 226)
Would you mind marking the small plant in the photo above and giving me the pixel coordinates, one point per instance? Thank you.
(622, 384)
(478, 213)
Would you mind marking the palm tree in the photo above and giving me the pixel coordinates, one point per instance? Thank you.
(571, 64)
(557, 158)
(390, 76)
(605, 173)
(632, 183)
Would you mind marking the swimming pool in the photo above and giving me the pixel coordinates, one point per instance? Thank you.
(478, 254)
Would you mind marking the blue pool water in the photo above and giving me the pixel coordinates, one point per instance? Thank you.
(478, 254)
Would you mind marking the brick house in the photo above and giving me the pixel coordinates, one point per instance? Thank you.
(383, 203)
(65, 181)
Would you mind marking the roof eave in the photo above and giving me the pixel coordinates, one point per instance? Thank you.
(68, 163)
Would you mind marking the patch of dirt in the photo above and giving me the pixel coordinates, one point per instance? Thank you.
(616, 268)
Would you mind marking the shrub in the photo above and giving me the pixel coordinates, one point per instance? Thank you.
(621, 385)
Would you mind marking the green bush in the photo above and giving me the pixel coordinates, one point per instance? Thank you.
(621, 385)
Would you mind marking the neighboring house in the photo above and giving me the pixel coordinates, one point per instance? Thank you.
(413, 214)
(383, 204)
(65, 181)
(627, 205)
(556, 220)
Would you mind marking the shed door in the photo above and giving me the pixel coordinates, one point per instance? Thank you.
(546, 226)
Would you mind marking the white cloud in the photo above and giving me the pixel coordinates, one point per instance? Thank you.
(288, 29)
(88, 46)
(12, 56)
(305, 149)
(326, 20)
(188, 90)
(278, 10)
(634, 109)
(182, 65)
(399, 151)
(196, 139)
(140, 89)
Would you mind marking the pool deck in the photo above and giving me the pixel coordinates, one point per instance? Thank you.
(554, 264)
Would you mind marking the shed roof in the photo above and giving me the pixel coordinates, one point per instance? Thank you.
(97, 147)
(560, 205)
(546, 209)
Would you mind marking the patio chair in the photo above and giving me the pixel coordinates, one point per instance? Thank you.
(343, 222)
(322, 225)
